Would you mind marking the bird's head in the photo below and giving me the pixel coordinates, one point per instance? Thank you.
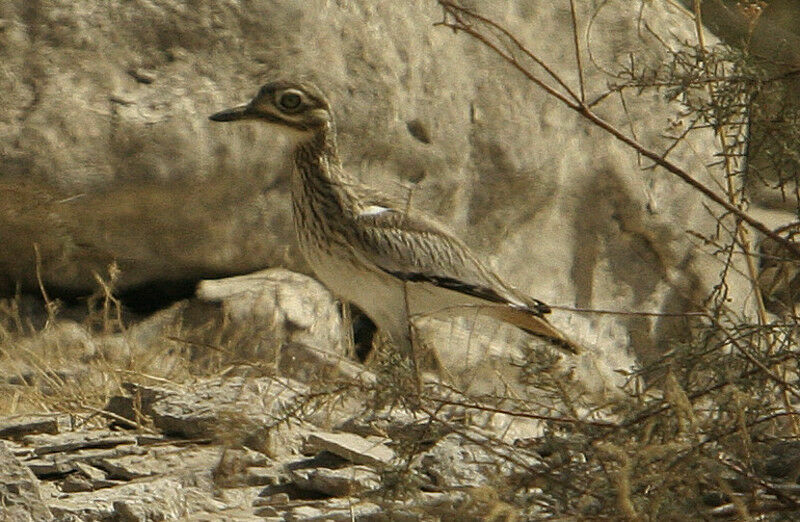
(297, 106)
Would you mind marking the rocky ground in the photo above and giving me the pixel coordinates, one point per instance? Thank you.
(167, 454)
(267, 448)
(282, 425)
(243, 403)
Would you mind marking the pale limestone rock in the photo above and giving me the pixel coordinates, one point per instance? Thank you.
(352, 447)
(346, 481)
(282, 308)
(107, 126)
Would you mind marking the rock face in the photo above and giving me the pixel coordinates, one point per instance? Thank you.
(108, 155)
(240, 448)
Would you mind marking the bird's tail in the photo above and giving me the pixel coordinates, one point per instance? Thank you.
(532, 324)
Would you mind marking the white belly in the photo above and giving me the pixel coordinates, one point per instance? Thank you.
(378, 294)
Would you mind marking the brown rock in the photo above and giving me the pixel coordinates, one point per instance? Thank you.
(346, 481)
(17, 427)
(19, 491)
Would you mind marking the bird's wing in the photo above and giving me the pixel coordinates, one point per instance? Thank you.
(415, 249)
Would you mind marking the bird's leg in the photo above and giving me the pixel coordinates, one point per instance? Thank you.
(411, 349)
(348, 335)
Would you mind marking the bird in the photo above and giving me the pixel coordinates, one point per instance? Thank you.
(369, 248)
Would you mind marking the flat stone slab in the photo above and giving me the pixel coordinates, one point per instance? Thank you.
(347, 481)
(18, 426)
(197, 411)
(167, 460)
(73, 441)
(335, 510)
(354, 448)
(162, 499)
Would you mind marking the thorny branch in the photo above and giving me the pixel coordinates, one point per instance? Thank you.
(477, 26)
(723, 412)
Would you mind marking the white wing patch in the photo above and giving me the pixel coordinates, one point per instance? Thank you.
(373, 210)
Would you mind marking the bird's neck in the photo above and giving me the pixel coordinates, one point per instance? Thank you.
(318, 167)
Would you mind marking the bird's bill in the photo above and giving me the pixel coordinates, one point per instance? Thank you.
(241, 112)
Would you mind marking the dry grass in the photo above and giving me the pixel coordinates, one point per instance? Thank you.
(700, 436)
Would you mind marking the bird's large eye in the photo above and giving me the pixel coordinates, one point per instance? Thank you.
(290, 100)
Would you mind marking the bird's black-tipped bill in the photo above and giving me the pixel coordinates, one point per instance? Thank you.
(242, 112)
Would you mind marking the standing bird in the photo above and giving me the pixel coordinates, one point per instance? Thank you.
(365, 247)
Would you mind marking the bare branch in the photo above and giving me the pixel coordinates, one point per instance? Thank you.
(576, 42)
(459, 21)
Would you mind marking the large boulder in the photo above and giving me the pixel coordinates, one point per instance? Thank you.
(108, 155)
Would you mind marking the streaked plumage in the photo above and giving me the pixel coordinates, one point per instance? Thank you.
(366, 247)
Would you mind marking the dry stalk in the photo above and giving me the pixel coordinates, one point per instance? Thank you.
(734, 198)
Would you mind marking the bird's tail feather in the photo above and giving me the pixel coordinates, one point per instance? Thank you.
(532, 324)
